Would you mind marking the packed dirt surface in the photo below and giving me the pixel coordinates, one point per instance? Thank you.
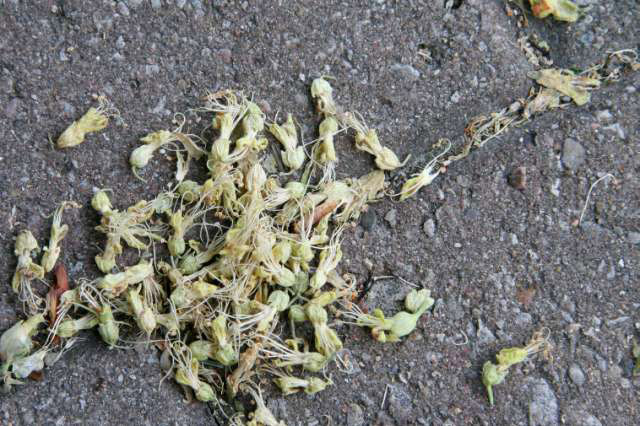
(501, 262)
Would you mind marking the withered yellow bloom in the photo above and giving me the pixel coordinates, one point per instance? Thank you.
(94, 120)
(58, 232)
(425, 177)
(566, 82)
(562, 10)
(293, 155)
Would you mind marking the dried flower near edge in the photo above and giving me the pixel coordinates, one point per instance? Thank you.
(322, 92)
(577, 87)
(424, 178)
(494, 374)
(58, 232)
(26, 270)
(562, 10)
(16, 341)
(367, 140)
(94, 120)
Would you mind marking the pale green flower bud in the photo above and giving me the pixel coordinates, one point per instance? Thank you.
(510, 356)
(316, 385)
(147, 321)
(285, 277)
(322, 92)
(203, 290)
(135, 301)
(278, 300)
(114, 284)
(415, 300)
(25, 243)
(296, 313)
(141, 156)
(226, 355)
(139, 272)
(71, 327)
(101, 202)
(281, 251)
(290, 385)
(492, 375)
(189, 264)
(205, 392)
(180, 296)
(293, 159)
(23, 367)
(189, 190)
(316, 314)
(314, 362)
(176, 245)
(107, 326)
(202, 349)
(93, 120)
(16, 341)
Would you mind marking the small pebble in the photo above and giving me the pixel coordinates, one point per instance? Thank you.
(123, 9)
(355, 415)
(390, 217)
(573, 154)
(576, 374)
(429, 228)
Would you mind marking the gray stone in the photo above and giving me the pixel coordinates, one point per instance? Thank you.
(400, 405)
(543, 404)
(454, 309)
(576, 374)
(580, 417)
(369, 219)
(634, 237)
(523, 319)
(617, 130)
(405, 71)
(181, 3)
(12, 107)
(225, 55)
(120, 42)
(485, 336)
(123, 9)
(355, 415)
(604, 115)
(134, 4)
(429, 228)
(573, 154)
(156, 4)
(391, 218)
(151, 69)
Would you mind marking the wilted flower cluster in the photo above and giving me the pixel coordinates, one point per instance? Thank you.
(237, 273)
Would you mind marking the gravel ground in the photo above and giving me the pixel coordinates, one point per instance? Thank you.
(502, 262)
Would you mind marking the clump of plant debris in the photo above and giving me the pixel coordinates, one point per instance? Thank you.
(558, 89)
(494, 374)
(237, 276)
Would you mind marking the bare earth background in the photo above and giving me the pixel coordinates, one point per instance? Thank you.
(475, 241)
